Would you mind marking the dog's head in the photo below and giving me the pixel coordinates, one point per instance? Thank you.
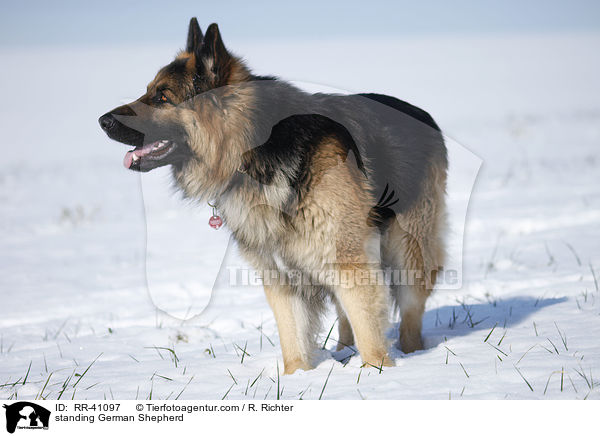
(182, 113)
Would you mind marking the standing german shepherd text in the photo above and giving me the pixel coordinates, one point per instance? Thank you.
(310, 183)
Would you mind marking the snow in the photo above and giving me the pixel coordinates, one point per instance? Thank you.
(100, 263)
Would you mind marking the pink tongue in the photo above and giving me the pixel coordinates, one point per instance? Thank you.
(128, 159)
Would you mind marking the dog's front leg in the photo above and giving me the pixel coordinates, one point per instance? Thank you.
(366, 308)
(293, 322)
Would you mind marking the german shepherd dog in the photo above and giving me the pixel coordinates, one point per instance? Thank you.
(307, 183)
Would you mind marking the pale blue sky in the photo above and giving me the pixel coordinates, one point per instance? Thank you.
(38, 22)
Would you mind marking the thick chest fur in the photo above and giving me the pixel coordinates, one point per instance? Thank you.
(328, 227)
(310, 243)
(270, 237)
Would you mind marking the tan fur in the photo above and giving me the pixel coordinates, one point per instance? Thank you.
(220, 141)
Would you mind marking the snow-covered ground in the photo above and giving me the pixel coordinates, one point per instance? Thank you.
(99, 267)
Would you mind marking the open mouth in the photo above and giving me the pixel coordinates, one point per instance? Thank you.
(154, 151)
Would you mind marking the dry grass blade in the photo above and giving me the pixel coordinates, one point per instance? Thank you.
(278, 392)
(524, 379)
(328, 335)
(27, 375)
(497, 349)
(490, 333)
(554, 346)
(40, 396)
(65, 384)
(326, 380)
(244, 353)
(530, 348)
(570, 247)
(563, 337)
(258, 376)
(86, 370)
(228, 390)
(594, 276)
(186, 385)
(232, 377)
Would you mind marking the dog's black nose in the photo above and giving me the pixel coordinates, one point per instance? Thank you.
(107, 121)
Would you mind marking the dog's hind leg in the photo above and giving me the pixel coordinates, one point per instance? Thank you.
(412, 245)
(345, 335)
(297, 319)
(402, 253)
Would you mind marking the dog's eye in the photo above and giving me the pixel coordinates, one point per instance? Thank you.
(161, 98)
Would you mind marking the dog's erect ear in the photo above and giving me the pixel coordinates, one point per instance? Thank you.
(194, 38)
(213, 46)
